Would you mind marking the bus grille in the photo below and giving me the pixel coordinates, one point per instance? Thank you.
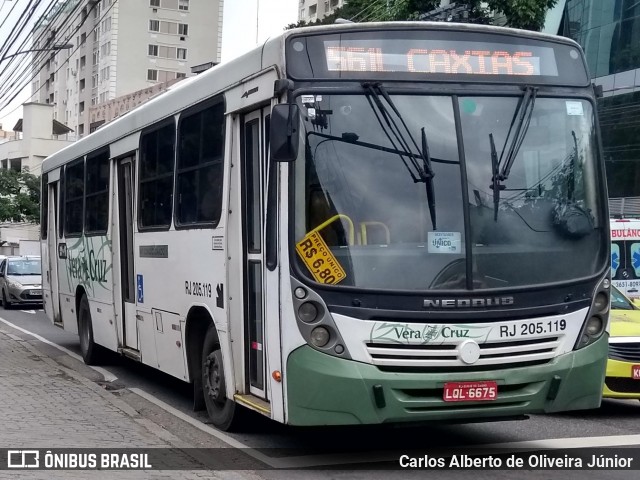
(627, 352)
(536, 351)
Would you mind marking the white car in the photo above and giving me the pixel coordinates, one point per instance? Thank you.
(20, 281)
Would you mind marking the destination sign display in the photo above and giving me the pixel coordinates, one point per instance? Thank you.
(435, 55)
(453, 58)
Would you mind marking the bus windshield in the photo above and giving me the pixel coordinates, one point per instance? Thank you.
(360, 200)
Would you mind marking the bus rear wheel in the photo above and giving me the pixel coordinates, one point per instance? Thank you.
(90, 351)
(223, 412)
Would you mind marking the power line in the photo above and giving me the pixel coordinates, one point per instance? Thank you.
(6, 103)
(16, 75)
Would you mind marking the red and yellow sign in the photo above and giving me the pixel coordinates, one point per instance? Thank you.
(318, 258)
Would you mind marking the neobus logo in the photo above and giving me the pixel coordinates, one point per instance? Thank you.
(467, 302)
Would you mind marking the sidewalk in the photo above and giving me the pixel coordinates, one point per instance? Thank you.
(46, 405)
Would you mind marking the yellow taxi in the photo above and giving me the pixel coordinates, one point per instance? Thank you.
(623, 367)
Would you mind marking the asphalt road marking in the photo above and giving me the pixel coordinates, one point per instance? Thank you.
(32, 312)
(232, 442)
(305, 461)
(108, 376)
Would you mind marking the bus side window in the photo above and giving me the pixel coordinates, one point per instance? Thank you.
(200, 167)
(157, 154)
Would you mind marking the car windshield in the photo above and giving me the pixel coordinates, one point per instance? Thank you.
(24, 267)
(619, 301)
(384, 190)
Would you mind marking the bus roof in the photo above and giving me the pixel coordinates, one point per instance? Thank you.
(225, 75)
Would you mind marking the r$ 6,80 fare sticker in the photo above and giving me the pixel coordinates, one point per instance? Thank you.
(319, 260)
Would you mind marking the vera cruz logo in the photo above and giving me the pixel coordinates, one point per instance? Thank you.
(422, 334)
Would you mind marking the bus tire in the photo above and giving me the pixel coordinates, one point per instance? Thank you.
(88, 348)
(223, 412)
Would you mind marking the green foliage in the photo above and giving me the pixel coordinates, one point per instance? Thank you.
(525, 14)
(19, 196)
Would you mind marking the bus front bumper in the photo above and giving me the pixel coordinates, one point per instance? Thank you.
(326, 390)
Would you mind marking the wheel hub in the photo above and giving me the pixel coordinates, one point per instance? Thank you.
(214, 379)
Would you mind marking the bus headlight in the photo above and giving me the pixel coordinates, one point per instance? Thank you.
(594, 326)
(308, 312)
(320, 336)
(601, 302)
(597, 318)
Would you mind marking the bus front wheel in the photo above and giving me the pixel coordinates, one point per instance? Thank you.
(88, 348)
(222, 411)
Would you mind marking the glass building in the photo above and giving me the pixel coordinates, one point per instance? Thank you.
(609, 32)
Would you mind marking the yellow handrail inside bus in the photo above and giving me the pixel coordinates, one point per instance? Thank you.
(352, 229)
(363, 231)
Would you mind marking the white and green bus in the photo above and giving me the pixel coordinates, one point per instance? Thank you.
(352, 224)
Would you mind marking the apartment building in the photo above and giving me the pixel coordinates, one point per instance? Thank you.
(121, 47)
(312, 10)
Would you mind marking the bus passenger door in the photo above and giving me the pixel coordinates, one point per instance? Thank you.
(125, 173)
(53, 306)
(252, 207)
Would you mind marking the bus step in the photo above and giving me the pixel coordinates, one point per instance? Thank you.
(130, 353)
(254, 403)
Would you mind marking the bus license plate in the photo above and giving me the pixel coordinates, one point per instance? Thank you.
(635, 372)
(470, 391)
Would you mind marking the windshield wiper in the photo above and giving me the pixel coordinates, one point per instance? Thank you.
(426, 158)
(572, 166)
(422, 174)
(521, 120)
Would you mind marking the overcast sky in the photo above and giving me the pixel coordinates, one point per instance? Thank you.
(239, 25)
(238, 34)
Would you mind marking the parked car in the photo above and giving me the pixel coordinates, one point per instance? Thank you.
(623, 367)
(20, 281)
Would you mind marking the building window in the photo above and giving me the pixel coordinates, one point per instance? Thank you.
(106, 24)
(105, 49)
(182, 54)
(4, 164)
(83, 62)
(154, 25)
(181, 75)
(154, 3)
(312, 10)
(82, 84)
(183, 29)
(16, 164)
(183, 4)
(152, 75)
(157, 153)
(153, 50)
(96, 57)
(94, 80)
(81, 107)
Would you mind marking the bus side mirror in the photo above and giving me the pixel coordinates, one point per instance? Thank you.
(283, 134)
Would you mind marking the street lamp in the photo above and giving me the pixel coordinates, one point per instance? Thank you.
(53, 48)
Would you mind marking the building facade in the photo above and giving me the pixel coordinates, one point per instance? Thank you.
(40, 137)
(312, 10)
(121, 47)
(609, 32)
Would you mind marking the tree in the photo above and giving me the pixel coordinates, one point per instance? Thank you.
(524, 14)
(19, 196)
